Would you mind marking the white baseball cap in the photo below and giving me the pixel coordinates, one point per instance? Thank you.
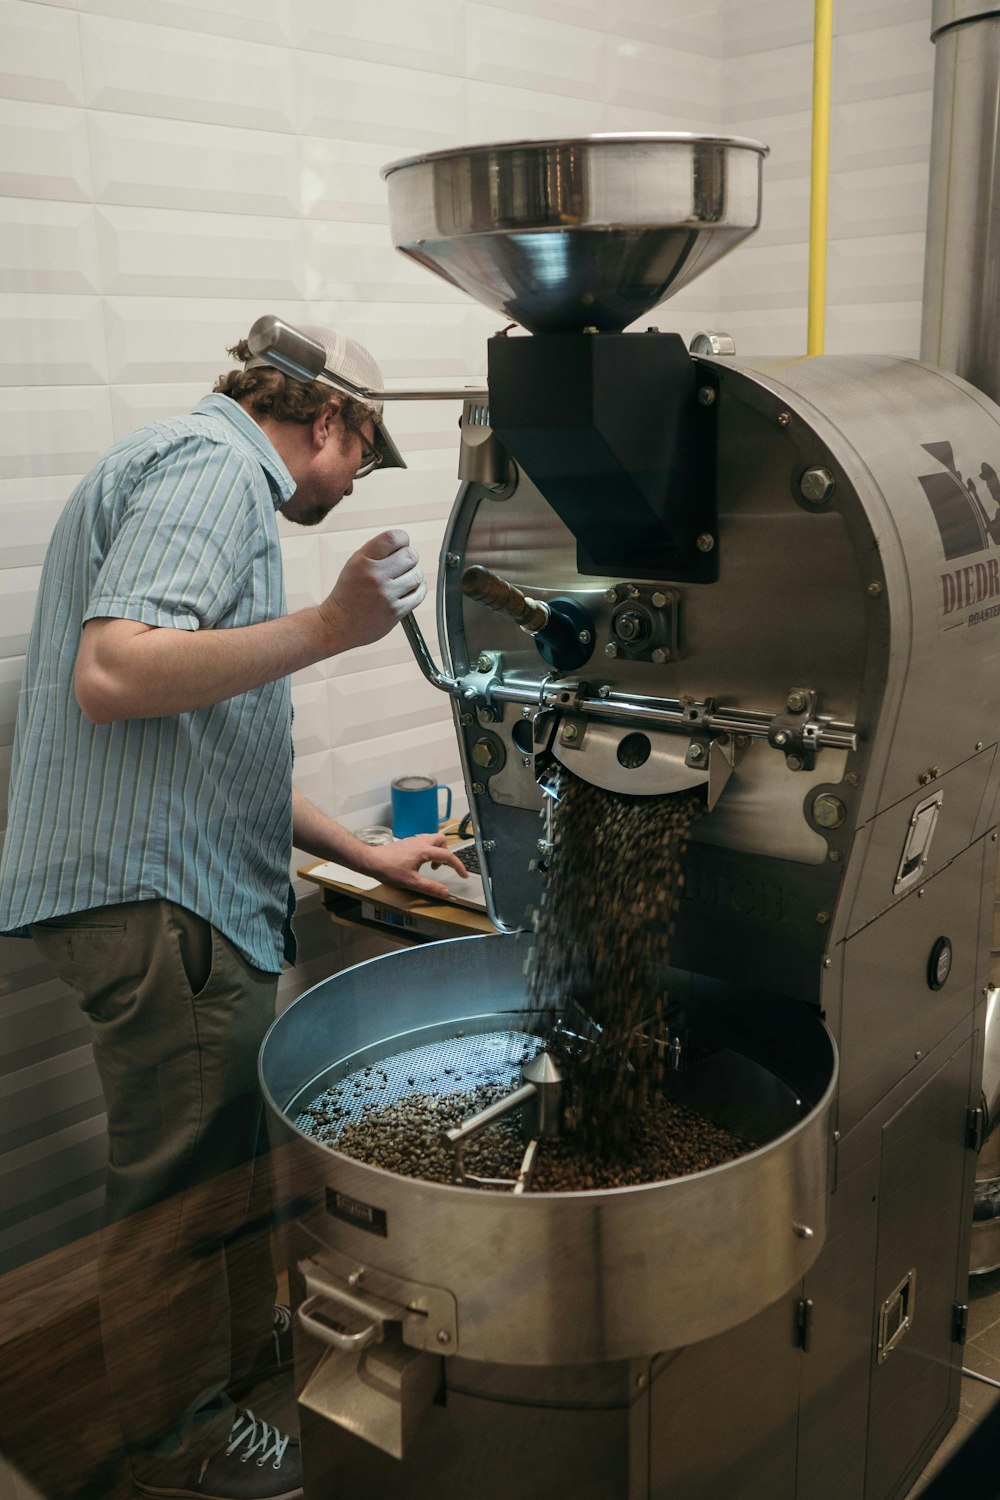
(346, 357)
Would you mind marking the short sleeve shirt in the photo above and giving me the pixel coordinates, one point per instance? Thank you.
(174, 527)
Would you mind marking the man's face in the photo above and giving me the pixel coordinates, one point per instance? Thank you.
(328, 471)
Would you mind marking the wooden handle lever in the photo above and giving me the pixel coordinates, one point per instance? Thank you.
(495, 592)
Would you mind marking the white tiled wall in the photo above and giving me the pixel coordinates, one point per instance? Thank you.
(883, 65)
(170, 169)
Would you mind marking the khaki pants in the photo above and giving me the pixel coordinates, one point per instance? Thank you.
(187, 1282)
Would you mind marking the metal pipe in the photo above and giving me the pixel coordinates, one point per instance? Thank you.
(820, 174)
(962, 267)
(831, 734)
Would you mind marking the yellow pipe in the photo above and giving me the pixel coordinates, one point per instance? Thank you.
(822, 58)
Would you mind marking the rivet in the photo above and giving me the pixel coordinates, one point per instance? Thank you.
(852, 778)
(828, 963)
(705, 542)
(979, 744)
(706, 396)
(452, 559)
(822, 917)
(875, 589)
(658, 601)
(584, 637)
(611, 595)
(784, 418)
(660, 655)
(443, 1336)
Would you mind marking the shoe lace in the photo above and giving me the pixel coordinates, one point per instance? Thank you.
(257, 1437)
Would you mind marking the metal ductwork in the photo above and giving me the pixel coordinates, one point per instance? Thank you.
(961, 317)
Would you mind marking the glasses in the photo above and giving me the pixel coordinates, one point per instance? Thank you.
(370, 460)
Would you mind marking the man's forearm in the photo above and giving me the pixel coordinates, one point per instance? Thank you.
(316, 833)
(126, 670)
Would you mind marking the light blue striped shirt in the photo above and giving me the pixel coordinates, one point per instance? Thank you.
(175, 527)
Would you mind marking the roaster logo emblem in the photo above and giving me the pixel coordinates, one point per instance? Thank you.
(968, 524)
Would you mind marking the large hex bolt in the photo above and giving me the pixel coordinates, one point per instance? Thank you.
(486, 753)
(816, 485)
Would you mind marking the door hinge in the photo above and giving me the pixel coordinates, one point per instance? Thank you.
(959, 1322)
(803, 1323)
(975, 1125)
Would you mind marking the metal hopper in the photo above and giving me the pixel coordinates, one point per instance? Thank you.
(574, 234)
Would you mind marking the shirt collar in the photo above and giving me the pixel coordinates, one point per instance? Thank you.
(250, 436)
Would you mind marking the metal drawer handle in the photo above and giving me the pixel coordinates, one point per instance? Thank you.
(346, 1342)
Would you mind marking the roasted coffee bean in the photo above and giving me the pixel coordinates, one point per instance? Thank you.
(602, 945)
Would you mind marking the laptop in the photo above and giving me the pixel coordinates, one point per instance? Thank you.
(466, 892)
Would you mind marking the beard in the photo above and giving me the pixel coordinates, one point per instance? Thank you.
(311, 517)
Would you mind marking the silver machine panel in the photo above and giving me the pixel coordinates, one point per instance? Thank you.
(779, 585)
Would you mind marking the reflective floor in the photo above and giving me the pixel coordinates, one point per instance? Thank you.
(982, 1354)
(57, 1434)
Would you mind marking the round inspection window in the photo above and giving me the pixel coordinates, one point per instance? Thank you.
(939, 963)
(634, 751)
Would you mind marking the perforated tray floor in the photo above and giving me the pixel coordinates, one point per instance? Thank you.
(453, 1064)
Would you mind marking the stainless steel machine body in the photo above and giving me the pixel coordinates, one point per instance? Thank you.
(809, 627)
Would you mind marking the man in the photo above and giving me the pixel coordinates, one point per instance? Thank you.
(150, 830)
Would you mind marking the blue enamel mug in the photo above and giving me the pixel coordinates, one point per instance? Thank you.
(416, 805)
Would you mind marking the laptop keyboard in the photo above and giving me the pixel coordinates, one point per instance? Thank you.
(469, 856)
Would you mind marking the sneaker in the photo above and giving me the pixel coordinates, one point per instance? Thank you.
(274, 1356)
(258, 1463)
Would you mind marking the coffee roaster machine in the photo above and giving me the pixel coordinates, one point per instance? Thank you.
(668, 569)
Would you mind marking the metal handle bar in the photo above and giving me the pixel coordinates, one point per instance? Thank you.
(345, 1342)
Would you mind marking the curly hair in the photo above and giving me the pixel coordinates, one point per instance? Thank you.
(268, 393)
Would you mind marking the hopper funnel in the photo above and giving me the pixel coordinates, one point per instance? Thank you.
(564, 235)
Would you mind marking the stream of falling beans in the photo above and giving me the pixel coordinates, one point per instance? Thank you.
(602, 940)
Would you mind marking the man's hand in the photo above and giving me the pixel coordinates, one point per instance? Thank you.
(377, 587)
(399, 863)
